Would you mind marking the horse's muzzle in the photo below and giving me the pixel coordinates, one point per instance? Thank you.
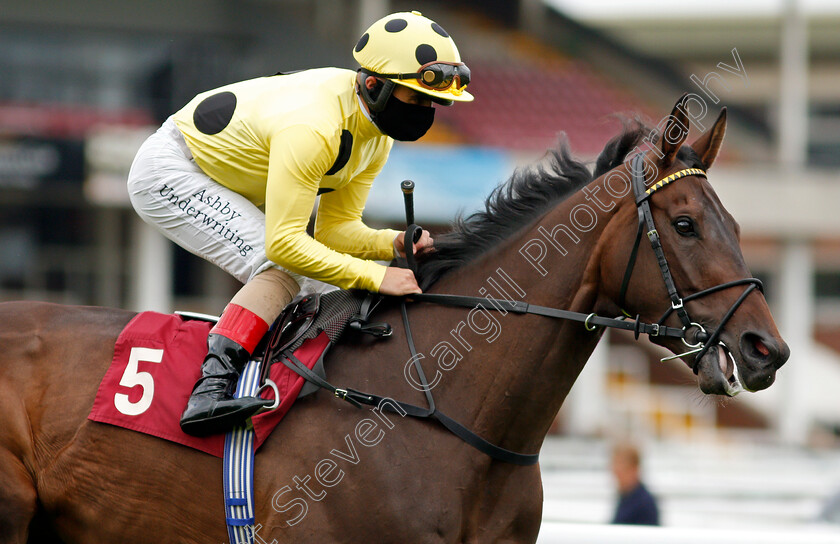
(752, 367)
(718, 372)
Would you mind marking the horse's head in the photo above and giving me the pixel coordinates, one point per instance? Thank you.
(731, 338)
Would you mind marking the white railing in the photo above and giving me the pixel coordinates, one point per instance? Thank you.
(567, 533)
(737, 492)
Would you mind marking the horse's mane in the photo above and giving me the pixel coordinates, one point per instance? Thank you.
(514, 204)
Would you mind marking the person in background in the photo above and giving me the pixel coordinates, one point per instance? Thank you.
(234, 175)
(636, 505)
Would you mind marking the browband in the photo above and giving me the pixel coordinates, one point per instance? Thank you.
(668, 179)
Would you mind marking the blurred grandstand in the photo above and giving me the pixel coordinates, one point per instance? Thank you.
(84, 82)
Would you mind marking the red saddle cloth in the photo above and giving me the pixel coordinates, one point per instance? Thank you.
(157, 360)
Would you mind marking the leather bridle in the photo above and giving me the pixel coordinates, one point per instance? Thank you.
(702, 340)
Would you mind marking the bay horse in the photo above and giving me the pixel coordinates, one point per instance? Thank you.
(556, 235)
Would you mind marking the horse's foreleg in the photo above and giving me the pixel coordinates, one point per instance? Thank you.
(18, 499)
(511, 511)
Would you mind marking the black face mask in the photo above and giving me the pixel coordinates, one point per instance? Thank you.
(403, 121)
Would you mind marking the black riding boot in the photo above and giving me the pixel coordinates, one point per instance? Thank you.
(212, 408)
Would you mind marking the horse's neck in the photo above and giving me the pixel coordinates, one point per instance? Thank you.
(518, 369)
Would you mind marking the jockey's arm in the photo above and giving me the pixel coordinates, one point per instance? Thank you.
(294, 174)
(339, 222)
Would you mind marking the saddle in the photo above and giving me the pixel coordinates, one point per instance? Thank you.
(309, 316)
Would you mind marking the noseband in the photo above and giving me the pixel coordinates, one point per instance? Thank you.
(703, 341)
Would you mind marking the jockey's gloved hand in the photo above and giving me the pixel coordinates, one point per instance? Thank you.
(399, 282)
(425, 242)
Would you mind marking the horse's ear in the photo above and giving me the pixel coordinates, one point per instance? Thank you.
(675, 133)
(708, 145)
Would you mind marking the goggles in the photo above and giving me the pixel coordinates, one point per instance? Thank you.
(439, 76)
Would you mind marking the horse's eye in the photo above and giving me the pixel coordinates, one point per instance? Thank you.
(685, 226)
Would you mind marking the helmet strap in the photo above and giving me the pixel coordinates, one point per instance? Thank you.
(377, 97)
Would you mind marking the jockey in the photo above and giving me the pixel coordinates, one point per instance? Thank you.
(274, 144)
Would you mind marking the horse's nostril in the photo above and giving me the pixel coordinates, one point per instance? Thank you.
(757, 348)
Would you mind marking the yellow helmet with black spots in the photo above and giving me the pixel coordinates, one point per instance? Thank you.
(416, 52)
